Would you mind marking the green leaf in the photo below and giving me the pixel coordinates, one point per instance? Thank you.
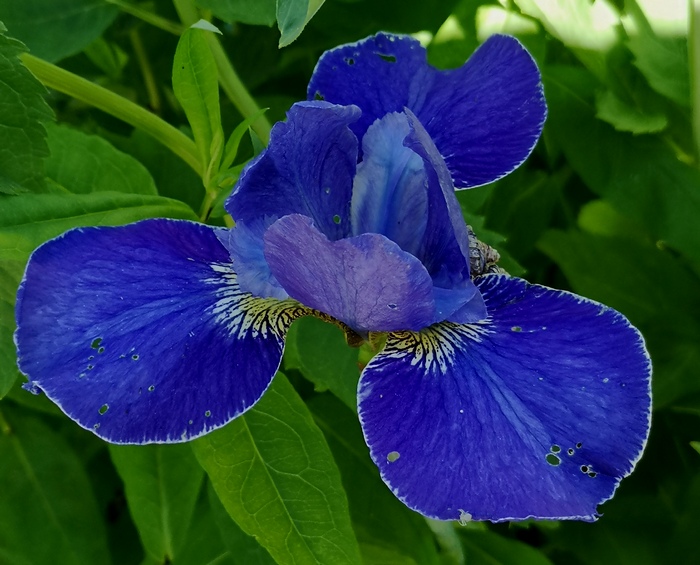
(10, 275)
(588, 28)
(23, 111)
(246, 549)
(83, 163)
(56, 29)
(624, 117)
(598, 217)
(162, 483)
(652, 288)
(662, 60)
(292, 17)
(275, 475)
(195, 82)
(639, 175)
(48, 512)
(234, 141)
(254, 12)
(319, 350)
(388, 531)
(39, 217)
(487, 548)
(108, 57)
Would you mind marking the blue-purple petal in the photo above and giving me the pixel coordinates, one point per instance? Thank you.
(390, 194)
(307, 169)
(538, 411)
(141, 334)
(485, 117)
(365, 281)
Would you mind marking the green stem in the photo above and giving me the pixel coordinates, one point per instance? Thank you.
(146, 70)
(148, 17)
(228, 78)
(107, 101)
(694, 59)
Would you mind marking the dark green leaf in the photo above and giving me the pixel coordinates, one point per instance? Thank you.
(292, 17)
(83, 163)
(10, 275)
(162, 483)
(195, 82)
(55, 29)
(320, 352)
(23, 112)
(255, 12)
(389, 533)
(276, 477)
(488, 548)
(48, 513)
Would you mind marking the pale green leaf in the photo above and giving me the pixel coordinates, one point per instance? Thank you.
(161, 483)
(48, 512)
(195, 82)
(275, 475)
(292, 17)
(83, 163)
(23, 111)
(623, 117)
(488, 548)
(55, 29)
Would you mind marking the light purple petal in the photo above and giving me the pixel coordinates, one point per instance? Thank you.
(307, 169)
(485, 117)
(537, 412)
(141, 334)
(390, 194)
(366, 281)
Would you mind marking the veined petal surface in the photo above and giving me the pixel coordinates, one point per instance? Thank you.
(141, 334)
(485, 117)
(307, 169)
(365, 281)
(539, 411)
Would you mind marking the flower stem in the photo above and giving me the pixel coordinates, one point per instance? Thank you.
(228, 78)
(81, 89)
(146, 70)
(148, 17)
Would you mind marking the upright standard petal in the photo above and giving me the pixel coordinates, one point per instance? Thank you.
(485, 117)
(307, 169)
(141, 334)
(538, 412)
(366, 281)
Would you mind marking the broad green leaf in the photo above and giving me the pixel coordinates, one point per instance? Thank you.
(10, 275)
(56, 29)
(23, 111)
(387, 530)
(48, 513)
(245, 548)
(598, 217)
(319, 350)
(195, 82)
(276, 477)
(639, 175)
(662, 60)
(162, 483)
(624, 117)
(83, 163)
(39, 217)
(255, 12)
(588, 28)
(292, 17)
(652, 288)
(487, 548)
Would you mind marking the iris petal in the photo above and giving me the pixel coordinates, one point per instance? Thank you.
(482, 136)
(538, 412)
(308, 169)
(141, 334)
(365, 281)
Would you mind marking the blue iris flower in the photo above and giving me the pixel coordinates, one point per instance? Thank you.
(493, 398)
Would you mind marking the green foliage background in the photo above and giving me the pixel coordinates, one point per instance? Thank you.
(608, 206)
